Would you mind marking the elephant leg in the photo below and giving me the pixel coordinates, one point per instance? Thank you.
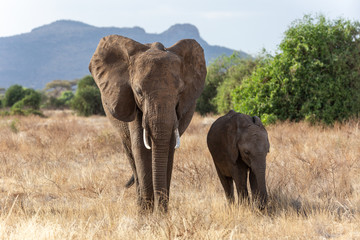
(134, 178)
(240, 178)
(228, 185)
(126, 144)
(143, 165)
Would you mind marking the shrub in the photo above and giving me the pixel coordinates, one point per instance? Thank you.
(66, 97)
(87, 99)
(316, 75)
(31, 100)
(216, 73)
(86, 81)
(13, 94)
(233, 78)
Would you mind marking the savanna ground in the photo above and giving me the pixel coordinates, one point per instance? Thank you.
(63, 177)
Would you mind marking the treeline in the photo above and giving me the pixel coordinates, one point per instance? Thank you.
(83, 96)
(313, 76)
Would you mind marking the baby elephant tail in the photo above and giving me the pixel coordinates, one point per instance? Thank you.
(130, 182)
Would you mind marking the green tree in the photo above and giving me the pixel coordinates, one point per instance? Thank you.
(58, 93)
(87, 99)
(86, 81)
(66, 97)
(64, 101)
(56, 87)
(216, 73)
(2, 94)
(315, 76)
(29, 104)
(233, 78)
(31, 100)
(13, 94)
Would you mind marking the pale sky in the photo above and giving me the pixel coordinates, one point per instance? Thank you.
(238, 24)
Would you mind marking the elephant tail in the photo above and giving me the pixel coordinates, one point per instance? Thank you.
(130, 182)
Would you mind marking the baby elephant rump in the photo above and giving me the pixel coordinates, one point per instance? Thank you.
(238, 144)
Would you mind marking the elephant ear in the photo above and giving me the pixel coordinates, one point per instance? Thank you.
(257, 121)
(193, 73)
(110, 68)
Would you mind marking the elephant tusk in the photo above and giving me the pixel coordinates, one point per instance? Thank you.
(146, 139)
(177, 136)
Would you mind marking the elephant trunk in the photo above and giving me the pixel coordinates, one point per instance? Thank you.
(260, 193)
(162, 135)
(160, 170)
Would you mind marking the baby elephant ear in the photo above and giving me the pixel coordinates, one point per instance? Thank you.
(109, 67)
(193, 71)
(257, 121)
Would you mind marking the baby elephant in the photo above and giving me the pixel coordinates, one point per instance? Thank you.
(239, 144)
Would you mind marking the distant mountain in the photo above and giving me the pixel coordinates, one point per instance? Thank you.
(62, 50)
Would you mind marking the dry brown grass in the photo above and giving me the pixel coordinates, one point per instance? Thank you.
(62, 178)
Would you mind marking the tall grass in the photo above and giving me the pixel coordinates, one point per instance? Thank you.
(63, 177)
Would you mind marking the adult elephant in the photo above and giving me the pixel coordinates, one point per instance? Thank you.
(149, 94)
(238, 144)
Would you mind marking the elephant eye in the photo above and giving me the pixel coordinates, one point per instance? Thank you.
(247, 152)
(139, 92)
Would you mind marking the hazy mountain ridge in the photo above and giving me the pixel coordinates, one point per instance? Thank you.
(62, 50)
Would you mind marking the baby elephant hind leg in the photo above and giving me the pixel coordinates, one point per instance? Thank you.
(228, 185)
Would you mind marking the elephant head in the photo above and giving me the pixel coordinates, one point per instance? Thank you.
(160, 83)
(252, 145)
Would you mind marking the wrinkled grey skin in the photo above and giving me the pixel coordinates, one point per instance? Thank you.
(239, 144)
(149, 94)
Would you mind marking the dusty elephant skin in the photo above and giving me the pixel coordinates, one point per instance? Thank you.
(239, 144)
(149, 94)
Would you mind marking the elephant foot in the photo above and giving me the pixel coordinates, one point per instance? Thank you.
(146, 206)
(150, 207)
(260, 202)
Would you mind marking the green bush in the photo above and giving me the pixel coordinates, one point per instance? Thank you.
(216, 73)
(86, 81)
(316, 75)
(233, 78)
(22, 101)
(66, 97)
(31, 100)
(64, 101)
(87, 99)
(13, 94)
(24, 112)
(53, 103)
